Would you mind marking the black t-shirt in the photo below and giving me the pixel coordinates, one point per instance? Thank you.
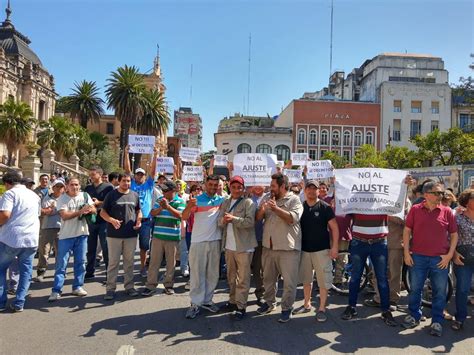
(99, 192)
(123, 207)
(314, 226)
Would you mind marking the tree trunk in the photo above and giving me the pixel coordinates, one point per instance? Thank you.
(83, 122)
(124, 131)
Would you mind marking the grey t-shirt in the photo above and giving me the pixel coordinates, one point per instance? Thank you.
(52, 221)
(123, 207)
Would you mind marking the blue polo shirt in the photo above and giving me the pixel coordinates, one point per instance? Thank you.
(205, 218)
(145, 194)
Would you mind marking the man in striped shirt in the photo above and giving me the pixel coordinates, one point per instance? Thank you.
(166, 236)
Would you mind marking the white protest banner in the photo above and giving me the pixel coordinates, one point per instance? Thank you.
(255, 168)
(220, 160)
(165, 165)
(294, 175)
(299, 159)
(192, 173)
(141, 144)
(320, 169)
(189, 154)
(370, 191)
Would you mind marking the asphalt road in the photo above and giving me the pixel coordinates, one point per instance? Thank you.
(157, 324)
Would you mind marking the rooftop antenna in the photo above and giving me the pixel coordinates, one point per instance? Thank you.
(330, 43)
(191, 87)
(248, 75)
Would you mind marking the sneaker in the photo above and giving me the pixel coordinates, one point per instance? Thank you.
(211, 307)
(239, 314)
(147, 292)
(260, 301)
(285, 316)
(436, 329)
(169, 291)
(89, 276)
(301, 310)
(457, 325)
(144, 273)
(349, 313)
(79, 292)
(388, 319)
(265, 308)
(54, 296)
(321, 316)
(410, 322)
(131, 292)
(371, 303)
(393, 306)
(185, 273)
(109, 295)
(15, 309)
(192, 311)
(187, 286)
(230, 307)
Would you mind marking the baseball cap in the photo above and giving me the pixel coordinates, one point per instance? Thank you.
(238, 179)
(140, 171)
(167, 186)
(312, 182)
(25, 181)
(58, 182)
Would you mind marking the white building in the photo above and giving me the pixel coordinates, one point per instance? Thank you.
(250, 134)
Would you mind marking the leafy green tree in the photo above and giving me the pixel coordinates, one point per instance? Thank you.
(16, 125)
(98, 140)
(452, 147)
(401, 158)
(60, 135)
(85, 102)
(337, 161)
(106, 158)
(368, 156)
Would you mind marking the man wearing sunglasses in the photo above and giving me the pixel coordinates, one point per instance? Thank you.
(433, 231)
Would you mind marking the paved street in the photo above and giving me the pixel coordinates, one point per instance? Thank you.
(91, 325)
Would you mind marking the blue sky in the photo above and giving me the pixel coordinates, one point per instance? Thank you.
(88, 39)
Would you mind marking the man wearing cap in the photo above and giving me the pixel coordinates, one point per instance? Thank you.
(166, 236)
(316, 247)
(237, 220)
(144, 187)
(50, 225)
(281, 245)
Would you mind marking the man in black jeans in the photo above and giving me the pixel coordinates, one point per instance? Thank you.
(98, 230)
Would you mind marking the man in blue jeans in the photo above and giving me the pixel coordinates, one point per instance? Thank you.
(19, 235)
(434, 237)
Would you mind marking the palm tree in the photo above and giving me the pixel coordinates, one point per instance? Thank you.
(156, 118)
(16, 125)
(126, 95)
(98, 141)
(85, 102)
(59, 135)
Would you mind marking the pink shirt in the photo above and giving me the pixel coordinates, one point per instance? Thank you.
(430, 229)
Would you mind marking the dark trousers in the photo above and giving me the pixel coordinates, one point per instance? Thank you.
(97, 232)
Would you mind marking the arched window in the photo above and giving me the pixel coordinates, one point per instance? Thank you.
(313, 137)
(324, 137)
(369, 138)
(301, 136)
(335, 137)
(358, 139)
(264, 148)
(244, 148)
(347, 138)
(282, 152)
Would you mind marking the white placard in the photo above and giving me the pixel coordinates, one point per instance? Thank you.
(141, 144)
(255, 168)
(189, 154)
(299, 159)
(220, 160)
(294, 175)
(165, 165)
(320, 169)
(370, 191)
(192, 173)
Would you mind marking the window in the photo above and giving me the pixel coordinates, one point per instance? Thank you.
(434, 125)
(397, 105)
(347, 138)
(347, 155)
(369, 138)
(282, 152)
(323, 151)
(324, 137)
(415, 128)
(335, 137)
(313, 134)
(435, 107)
(464, 120)
(358, 139)
(416, 107)
(109, 128)
(41, 110)
(301, 150)
(313, 154)
(244, 148)
(396, 130)
(301, 136)
(264, 148)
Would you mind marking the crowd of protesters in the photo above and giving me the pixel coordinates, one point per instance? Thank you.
(259, 235)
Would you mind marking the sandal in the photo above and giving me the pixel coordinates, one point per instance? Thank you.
(456, 325)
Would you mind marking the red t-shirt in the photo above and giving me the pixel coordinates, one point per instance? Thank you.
(430, 229)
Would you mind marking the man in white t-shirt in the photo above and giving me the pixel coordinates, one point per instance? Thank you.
(73, 208)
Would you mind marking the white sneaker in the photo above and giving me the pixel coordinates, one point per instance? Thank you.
(54, 297)
(79, 292)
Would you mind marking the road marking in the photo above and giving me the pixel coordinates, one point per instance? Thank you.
(126, 350)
